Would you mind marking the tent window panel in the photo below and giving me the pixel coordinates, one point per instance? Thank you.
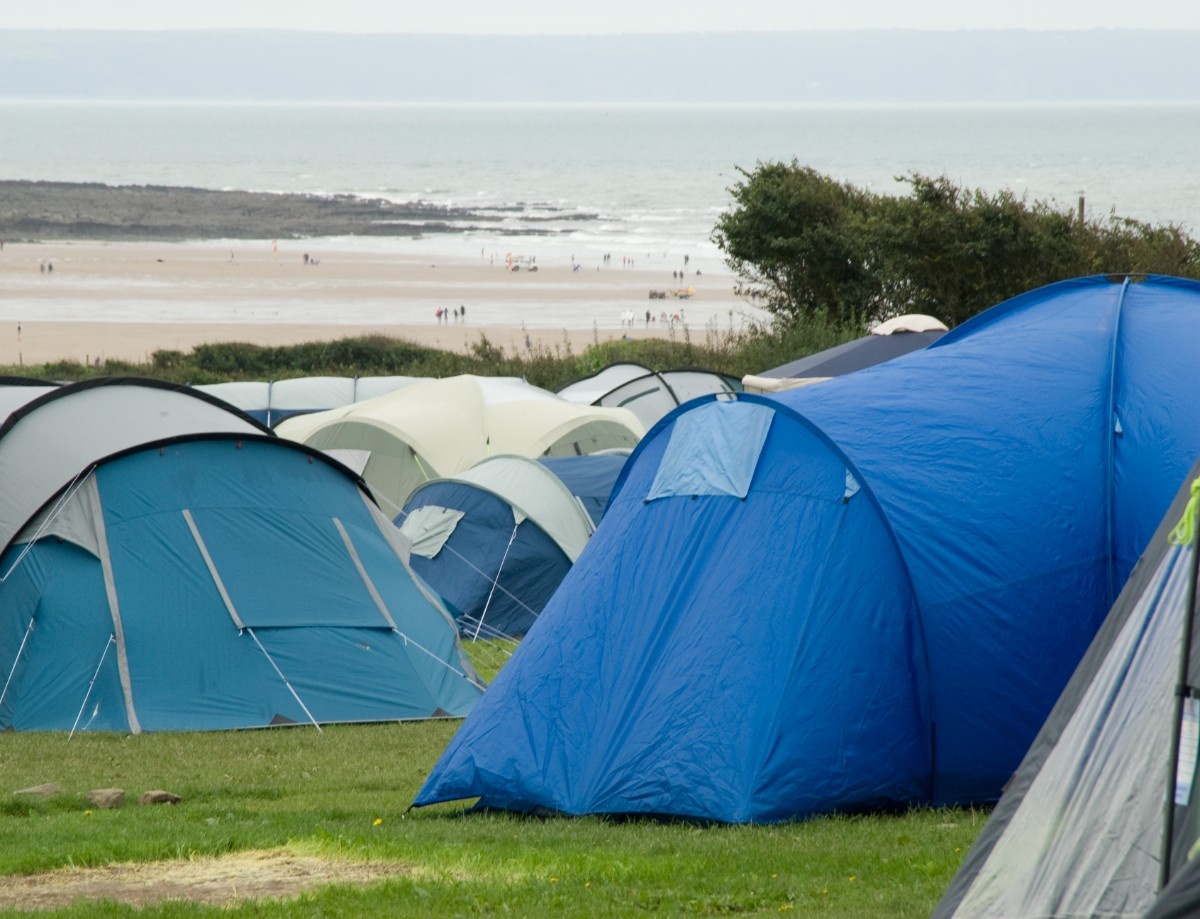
(285, 569)
(713, 450)
(429, 528)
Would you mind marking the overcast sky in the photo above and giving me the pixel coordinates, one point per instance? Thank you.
(523, 17)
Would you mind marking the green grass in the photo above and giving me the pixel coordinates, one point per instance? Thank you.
(323, 793)
(732, 351)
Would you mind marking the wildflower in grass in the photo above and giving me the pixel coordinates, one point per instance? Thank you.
(87, 813)
(378, 821)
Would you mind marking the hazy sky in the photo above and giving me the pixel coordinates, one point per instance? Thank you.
(605, 16)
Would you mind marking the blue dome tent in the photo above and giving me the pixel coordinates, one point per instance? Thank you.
(859, 595)
(495, 541)
(168, 564)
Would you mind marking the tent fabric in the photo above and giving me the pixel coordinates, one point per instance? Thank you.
(925, 551)
(867, 351)
(429, 527)
(647, 394)
(1181, 898)
(1081, 829)
(271, 402)
(713, 451)
(438, 428)
(50, 440)
(16, 392)
(535, 492)
(589, 478)
(497, 567)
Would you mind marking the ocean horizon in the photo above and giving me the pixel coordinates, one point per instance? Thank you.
(637, 181)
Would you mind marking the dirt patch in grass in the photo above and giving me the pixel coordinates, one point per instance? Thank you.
(215, 881)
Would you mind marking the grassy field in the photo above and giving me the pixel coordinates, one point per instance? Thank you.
(341, 796)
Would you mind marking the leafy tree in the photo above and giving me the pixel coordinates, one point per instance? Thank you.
(797, 242)
(802, 243)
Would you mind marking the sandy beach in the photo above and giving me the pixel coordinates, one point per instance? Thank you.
(85, 300)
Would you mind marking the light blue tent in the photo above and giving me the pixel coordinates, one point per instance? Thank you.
(863, 594)
(169, 565)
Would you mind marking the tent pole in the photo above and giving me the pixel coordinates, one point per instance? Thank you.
(1184, 535)
(495, 581)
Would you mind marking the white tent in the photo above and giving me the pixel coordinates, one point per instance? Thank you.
(438, 428)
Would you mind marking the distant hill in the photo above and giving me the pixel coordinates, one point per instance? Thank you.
(817, 67)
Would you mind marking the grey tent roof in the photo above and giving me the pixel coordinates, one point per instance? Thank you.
(887, 341)
(274, 400)
(53, 440)
(647, 393)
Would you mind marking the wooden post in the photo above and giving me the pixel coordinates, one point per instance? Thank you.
(1081, 211)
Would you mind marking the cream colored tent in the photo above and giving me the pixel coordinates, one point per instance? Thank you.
(438, 428)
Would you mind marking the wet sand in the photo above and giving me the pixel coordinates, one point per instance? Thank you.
(124, 300)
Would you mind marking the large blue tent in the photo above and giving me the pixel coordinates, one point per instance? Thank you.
(166, 564)
(865, 594)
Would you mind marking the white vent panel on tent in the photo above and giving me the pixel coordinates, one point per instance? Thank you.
(429, 528)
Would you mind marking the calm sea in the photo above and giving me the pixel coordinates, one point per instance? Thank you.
(654, 178)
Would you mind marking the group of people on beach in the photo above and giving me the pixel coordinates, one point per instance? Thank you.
(443, 314)
(628, 317)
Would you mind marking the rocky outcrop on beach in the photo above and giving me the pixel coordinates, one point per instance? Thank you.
(94, 211)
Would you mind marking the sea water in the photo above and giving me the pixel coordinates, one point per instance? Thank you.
(629, 181)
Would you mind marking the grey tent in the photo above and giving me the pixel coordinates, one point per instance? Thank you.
(273, 401)
(888, 340)
(1082, 829)
(647, 393)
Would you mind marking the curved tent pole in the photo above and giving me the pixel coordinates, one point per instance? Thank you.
(1114, 431)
